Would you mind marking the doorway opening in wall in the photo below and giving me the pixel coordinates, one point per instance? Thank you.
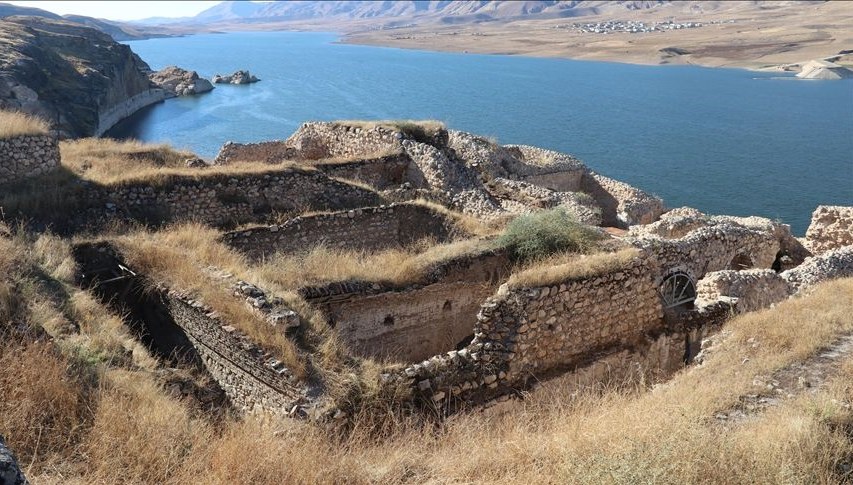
(678, 292)
(741, 262)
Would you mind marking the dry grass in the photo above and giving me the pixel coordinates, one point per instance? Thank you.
(114, 162)
(177, 257)
(398, 267)
(570, 266)
(14, 123)
(420, 130)
(466, 224)
(631, 434)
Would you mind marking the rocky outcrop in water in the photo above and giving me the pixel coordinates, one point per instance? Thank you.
(180, 82)
(78, 79)
(239, 77)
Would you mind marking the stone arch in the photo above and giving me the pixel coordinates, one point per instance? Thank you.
(677, 291)
(740, 262)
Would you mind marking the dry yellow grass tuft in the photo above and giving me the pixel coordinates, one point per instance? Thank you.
(570, 266)
(320, 265)
(14, 123)
(420, 130)
(113, 162)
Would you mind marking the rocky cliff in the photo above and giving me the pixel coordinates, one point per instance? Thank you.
(77, 78)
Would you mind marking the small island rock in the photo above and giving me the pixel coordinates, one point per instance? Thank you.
(180, 82)
(239, 77)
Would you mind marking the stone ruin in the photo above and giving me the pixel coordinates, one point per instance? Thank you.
(27, 156)
(464, 333)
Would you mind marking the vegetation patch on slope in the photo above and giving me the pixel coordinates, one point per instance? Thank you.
(14, 123)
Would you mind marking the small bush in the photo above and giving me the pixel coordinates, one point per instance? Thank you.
(536, 236)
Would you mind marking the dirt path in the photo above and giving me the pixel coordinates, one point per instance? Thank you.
(790, 381)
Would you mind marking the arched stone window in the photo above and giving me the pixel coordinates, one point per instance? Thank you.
(740, 262)
(678, 291)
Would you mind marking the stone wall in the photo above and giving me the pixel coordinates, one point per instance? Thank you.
(371, 229)
(315, 141)
(585, 328)
(562, 325)
(754, 288)
(708, 249)
(835, 263)
(621, 204)
(227, 200)
(381, 173)
(412, 323)
(251, 378)
(831, 228)
(27, 156)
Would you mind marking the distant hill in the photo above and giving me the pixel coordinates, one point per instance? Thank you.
(453, 11)
(117, 30)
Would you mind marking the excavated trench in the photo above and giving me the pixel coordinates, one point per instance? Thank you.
(144, 309)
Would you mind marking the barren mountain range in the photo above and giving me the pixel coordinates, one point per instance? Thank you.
(752, 34)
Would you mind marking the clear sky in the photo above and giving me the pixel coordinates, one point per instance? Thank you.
(119, 10)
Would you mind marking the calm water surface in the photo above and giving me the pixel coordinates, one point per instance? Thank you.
(725, 141)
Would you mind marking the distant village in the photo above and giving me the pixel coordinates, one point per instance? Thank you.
(635, 27)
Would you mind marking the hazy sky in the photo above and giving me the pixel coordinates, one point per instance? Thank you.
(116, 10)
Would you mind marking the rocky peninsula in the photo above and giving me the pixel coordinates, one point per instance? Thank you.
(77, 78)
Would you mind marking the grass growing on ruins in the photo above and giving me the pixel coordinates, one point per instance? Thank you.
(398, 267)
(14, 123)
(116, 162)
(536, 236)
(419, 130)
(127, 429)
(570, 266)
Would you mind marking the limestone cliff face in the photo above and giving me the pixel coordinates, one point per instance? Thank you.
(76, 77)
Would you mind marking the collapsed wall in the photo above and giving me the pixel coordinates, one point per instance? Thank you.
(831, 227)
(27, 156)
(315, 141)
(466, 172)
(412, 322)
(621, 204)
(369, 229)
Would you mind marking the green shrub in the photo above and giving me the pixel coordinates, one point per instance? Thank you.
(539, 235)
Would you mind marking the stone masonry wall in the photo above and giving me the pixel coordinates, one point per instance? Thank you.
(252, 379)
(314, 141)
(372, 229)
(622, 205)
(831, 228)
(559, 326)
(708, 249)
(415, 322)
(527, 332)
(228, 200)
(380, 173)
(754, 288)
(27, 156)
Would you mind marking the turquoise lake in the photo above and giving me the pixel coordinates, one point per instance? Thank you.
(726, 141)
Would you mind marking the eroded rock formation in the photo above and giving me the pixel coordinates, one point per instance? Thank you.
(239, 77)
(180, 82)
